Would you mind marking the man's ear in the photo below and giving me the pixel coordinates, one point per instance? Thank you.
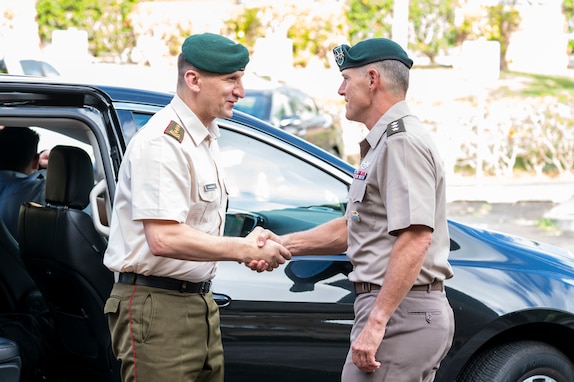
(192, 79)
(374, 78)
(35, 162)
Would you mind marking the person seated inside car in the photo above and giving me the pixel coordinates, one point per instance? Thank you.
(22, 179)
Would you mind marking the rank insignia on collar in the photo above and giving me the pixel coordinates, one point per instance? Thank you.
(174, 130)
(394, 127)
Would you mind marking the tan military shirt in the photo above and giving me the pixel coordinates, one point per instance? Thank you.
(170, 171)
(399, 182)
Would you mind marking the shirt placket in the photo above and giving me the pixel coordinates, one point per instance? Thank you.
(216, 158)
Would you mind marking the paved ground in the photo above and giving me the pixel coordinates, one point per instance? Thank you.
(534, 208)
(521, 218)
(538, 209)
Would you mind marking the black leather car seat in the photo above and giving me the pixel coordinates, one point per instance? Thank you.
(9, 361)
(24, 315)
(14, 285)
(18, 292)
(63, 252)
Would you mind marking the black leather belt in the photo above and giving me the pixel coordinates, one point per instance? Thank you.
(165, 283)
(361, 288)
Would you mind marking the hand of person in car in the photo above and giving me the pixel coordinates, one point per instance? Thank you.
(43, 159)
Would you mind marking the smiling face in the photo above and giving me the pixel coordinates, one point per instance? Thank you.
(215, 94)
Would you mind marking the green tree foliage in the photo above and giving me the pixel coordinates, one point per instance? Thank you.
(106, 22)
(246, 26)
(568, 9)
(369, 18)
(431, 23)
(316, 41)
(432, 26)
(313, 30)
(502, 21)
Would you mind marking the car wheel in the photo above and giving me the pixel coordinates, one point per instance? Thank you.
(524, 361)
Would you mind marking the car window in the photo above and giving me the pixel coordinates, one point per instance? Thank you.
(38, 68)
(303, 105)
(287, 192)
(282, 108)
(131, 122)
(49, 139)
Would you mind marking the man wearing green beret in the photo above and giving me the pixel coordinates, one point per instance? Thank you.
(166, 233)
(395, 229)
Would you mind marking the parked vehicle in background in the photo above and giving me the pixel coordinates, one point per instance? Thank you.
(27, 66)
(292, 110)
(511, 296)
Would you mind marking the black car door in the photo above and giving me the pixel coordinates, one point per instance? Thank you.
(292, 323)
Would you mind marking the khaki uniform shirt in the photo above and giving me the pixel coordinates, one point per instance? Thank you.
(400, 182)
(170, 171)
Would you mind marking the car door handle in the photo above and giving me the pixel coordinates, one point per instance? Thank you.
(221, 300)
(97, 190)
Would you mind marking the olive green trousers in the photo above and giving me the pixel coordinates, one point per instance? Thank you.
(162, 335)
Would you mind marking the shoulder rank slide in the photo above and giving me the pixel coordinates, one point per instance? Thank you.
(394, 127)
(175, 130)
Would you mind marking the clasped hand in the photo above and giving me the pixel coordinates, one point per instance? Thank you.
(269, 253)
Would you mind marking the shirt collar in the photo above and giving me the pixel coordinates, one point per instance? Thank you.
(191, 123)
(397, 111)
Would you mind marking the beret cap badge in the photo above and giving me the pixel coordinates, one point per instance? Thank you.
(339, 55)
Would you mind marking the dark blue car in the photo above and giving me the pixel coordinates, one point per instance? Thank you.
(512, 297)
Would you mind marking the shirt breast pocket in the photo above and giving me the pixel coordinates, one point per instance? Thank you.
(208, 192)
(203, 213)
(357, 191)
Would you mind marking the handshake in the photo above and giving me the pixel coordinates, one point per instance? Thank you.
(267, 251)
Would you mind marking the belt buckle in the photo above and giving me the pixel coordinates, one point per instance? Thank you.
(204, 287)
(364, 288)
(133, 277)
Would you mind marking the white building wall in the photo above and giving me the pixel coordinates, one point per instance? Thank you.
(540, 45)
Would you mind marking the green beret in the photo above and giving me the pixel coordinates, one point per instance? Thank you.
(214, 53)
(369, 51)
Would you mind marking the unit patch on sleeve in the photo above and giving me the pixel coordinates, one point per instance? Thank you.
(394, 127)
(175, 130)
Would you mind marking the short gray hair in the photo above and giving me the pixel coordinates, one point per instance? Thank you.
(182, 67)
(395, 74)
